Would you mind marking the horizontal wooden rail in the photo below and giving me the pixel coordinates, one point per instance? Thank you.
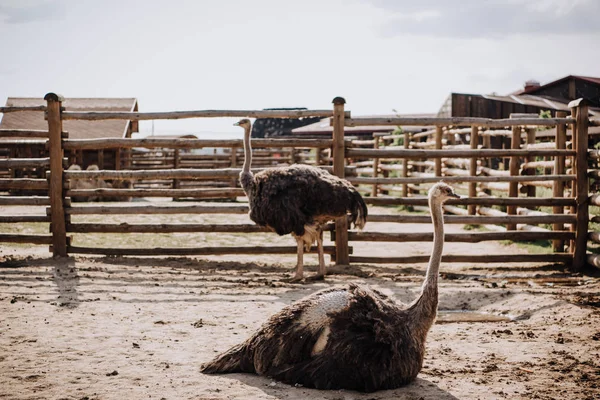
(457, 121)
(9, 219)
(475, 237)
(121, 210)
(23, 183)
(198, 193)
(448, 179)
(475, 220)
(138, 116)
(33, 239)
(21, 143)
(165, 228)
(23, 133)
(481, 153)
(10, 109)
(97, 144)
(482, 201)
(24, 201)
(200, 251)
(474, 258)
(25, 162)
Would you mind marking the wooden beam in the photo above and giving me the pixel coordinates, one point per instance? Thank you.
(474, 237)
(427, 154)
(484, 201)
(135, 210)
(104, 143)
(59, 234)
(24, 201)
(201, 251)
(457, 121)
(23, 133)
(473, 258)
(339, 163)
(581, 188)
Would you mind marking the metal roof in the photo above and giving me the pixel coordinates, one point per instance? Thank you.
(323, 127)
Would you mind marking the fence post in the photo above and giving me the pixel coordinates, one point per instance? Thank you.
(473, 169)
(438, 146)
(582, 183)
(513, 187)
(374, 190)
(558, 187)
(339, 164)
(405, 164)
(530, 140)
(57, 211)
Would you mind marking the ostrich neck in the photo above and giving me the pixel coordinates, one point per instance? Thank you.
(426, 304)
(246, 177)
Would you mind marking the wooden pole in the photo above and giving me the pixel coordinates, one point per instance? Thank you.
(514, 171)
(558, 188)
(572, 190)
(582, 187)
(375, 166)
(530, 142)
(438, 146)
(176, 164)
(405, 165)
(473, 169)
(57, 226)
(339, 163)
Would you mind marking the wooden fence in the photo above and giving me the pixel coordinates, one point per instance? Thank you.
(415, 165)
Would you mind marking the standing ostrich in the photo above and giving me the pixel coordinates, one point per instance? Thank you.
(351, 337)
(300, 200)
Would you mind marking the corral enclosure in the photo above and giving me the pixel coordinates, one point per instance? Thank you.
(512, 324)
(537, 189)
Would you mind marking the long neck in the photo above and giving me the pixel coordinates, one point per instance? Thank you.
(246, 177)
(247, 150)
(427, 302)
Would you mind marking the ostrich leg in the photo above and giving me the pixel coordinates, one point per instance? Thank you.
(321, 271)
(300, 266)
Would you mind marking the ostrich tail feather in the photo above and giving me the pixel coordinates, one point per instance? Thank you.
(359, 211)
(228, 362)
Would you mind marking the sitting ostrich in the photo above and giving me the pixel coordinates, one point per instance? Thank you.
(351, 337)
(299, 199)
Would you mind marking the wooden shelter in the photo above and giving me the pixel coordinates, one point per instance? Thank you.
(35, 120)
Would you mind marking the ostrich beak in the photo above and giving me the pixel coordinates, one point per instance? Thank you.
(456, 196)
(236, 124)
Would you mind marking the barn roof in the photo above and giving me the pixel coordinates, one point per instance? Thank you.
(77, 129)
(535, 89)
(323, 127)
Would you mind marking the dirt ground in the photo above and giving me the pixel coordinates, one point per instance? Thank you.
(139, 328)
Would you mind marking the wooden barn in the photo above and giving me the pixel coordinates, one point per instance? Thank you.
(532, 99)
(77, 129)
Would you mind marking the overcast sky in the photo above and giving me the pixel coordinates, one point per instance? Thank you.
(380, 55)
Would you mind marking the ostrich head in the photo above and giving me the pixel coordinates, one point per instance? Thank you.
(441, 192)
(244, 123)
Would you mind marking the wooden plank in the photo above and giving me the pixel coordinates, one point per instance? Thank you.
(108, 143)
(165, 228)
(513, 186)
(460, 258)
(10, 109)
(474, 237)
(25, 162)
(10, 219)
(481, 153)
(33, 239)
(449, 179)
(59, 234)
(484, 201)
(438, 146)
(581, 188)
(558, 187)
(474, 219)
(200, 251)
(135, 210)
(473, 169)
(140, 116)
(24, 201)
(339, 163)
(24, 183)
(197, 193)
(23, 133)
(457, 121)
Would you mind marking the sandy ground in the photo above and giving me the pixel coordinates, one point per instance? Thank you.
(139, 328)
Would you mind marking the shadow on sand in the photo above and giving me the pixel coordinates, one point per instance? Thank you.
(420, 389)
